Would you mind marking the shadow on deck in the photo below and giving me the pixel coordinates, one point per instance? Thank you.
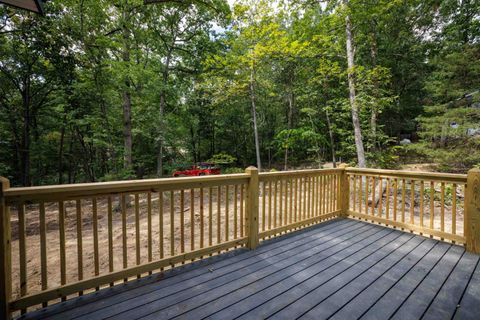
(341, 269)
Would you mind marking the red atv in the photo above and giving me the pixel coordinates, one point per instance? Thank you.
(200, 169)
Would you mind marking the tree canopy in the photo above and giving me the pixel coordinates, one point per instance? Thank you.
(102, 90)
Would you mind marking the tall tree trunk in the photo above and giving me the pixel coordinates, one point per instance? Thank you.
(60, 153)
(332, 142)
(374, 112)
(352, 94)
(25, 148)
(290, 98)
(127, 100)
(254, 115)
(161, 120)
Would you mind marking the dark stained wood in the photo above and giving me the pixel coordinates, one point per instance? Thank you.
(341, 269)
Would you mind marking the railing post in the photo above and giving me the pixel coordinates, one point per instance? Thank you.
(472, 211)
(344, 191)
(251, 215)
(5, 253)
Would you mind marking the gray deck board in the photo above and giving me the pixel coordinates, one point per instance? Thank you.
(448, 298)
(470, 302)
(328, 307)
(342, 269)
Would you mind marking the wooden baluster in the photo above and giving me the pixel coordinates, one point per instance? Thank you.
(314, 196)
(235, 211)
(202, 220)
(360, 195)
(332, 192)
(422, 197)
(79, 242)
(172, 223)
(387, 201)
(324, 194)
(374, 187)
(242, 221)
(309, 192)
(380, 197)
(454, 209)
(182, 221)
(295, 205)
(280, 211)
(395, 192)
(210, 216)
(96, 260)
(23, 251)
(432, 204)
(110, 235)
(403, 199)
(412, 201)
(275, 205)
(192, 219)
(149, 226)
(339, 191)
(319, 195)
(137, 230)
(61, 229)
(43, 248)
(354, 204)
(160, 224)
(219, 201)
(291, 201)
(124, 232)
(264, 201)
(227, 196)
(367, 182)
(286, 203)
(269, 205)
(303, 205)
(327, 194)
(442, 207)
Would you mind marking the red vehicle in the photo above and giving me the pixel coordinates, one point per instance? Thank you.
(200, 169)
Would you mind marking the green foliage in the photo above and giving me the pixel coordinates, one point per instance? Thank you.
(65, 77)
(222, 158)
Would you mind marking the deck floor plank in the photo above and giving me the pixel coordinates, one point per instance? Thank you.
(420, 299)
(327, 307)
(304, 287)
(395, 296)
(448, 298)
(341, 269)
(251, 295)
(184, 300)
(470, 302)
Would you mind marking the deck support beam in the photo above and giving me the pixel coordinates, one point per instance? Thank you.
(472, 211)
(252, 208)
(5, 253)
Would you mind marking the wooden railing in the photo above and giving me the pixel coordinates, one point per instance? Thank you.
(431, 204)
(293, 199)
(63, 241)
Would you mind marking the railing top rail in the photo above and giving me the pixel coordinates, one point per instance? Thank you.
(279, 174)
(433, 176)
(55, 192)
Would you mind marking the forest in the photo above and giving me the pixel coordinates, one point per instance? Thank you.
(100, 90)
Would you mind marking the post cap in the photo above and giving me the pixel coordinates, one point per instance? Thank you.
(251, 169)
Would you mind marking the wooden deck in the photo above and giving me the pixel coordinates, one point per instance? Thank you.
(342, 269)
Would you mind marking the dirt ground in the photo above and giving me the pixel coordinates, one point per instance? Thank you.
(53, 242)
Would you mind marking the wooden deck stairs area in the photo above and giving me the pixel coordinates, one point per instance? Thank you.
(343, 243)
